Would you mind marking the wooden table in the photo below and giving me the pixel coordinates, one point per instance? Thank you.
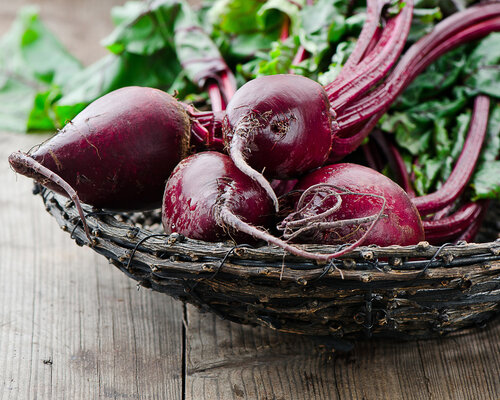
(74, 327)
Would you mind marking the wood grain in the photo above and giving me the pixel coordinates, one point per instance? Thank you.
(229, 361)
(71, 325)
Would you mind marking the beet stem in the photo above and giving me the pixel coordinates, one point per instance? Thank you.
(464, 167)
(457, 221)
(20, 160)
(373, 15)
(215, 95)
(375, 66)
(416, 59)
(470, 233)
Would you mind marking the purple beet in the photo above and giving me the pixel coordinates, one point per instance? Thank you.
(117, 153)
(349, 203)
(203, 190)
(282, 125)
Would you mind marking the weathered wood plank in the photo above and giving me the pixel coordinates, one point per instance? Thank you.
(228, 361)
(71, 325)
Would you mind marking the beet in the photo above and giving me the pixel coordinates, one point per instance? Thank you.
(349, 203)
(280, 124)
(205, 186)
(118, 152)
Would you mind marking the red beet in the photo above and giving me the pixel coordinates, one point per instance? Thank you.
(346, 203)
(205, 186)
(118, 152)
(280, 124)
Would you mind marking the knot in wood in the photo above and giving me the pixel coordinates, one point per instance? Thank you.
(132, 232)
(465, 283)
(301, 281)
(239, 251)
(447, 258)
(395, 261)
(207, 268)
(367, 255)
(495, 250)
(174, 238)
(424, 245)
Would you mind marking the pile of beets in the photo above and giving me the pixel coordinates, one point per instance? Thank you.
(263, 165)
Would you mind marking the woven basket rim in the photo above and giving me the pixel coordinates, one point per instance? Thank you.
(398, 262)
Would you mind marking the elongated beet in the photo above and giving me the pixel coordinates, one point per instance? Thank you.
(281, 124)
(118, 152)
(346, 203)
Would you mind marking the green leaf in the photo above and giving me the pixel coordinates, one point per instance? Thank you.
(491, 149)
(33, 63)
(483, 66)
(197, 53)
(235, 16)
(273, 13)
(142, 27)
(322, 24)
(486, 182)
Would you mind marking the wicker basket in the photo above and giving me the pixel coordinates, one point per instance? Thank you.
(410, 292)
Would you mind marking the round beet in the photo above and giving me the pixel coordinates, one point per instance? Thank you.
(346, 203)
(279, 124)
(117, 153)
(203, 190)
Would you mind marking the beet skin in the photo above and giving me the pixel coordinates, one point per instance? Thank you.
(119, 151)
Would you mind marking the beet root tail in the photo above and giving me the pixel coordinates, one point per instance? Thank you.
(25, 165)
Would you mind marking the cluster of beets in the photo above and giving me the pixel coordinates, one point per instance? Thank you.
(263, 162)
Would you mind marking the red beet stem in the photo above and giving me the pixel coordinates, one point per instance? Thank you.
(469, 25)
(285, 29)
(22, 162)
(215, 95)
(470, 233)
(463, 224)
(377, 63)
(342, 146)
(451, 224)
(464, 167)
(395, 161)
(417, 58)
(368, 33)
(206, 128)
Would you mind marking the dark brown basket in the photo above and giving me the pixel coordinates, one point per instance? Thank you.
(409, 292)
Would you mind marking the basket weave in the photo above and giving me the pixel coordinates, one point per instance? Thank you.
(408, 292)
